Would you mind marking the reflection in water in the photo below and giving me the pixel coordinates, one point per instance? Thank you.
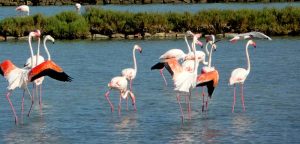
(126, 122)
(35, 131)
(191, 133)
(241, 124)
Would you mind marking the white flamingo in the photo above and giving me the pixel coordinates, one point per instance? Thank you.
(23, 8)
(130, 73)
(119, 83)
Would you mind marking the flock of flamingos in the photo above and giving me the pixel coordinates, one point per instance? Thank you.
(184, 71)
(182, 66)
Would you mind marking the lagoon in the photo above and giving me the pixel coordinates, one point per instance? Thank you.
(78, 112)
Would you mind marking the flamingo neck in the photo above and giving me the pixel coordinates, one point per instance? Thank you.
(248, 58)
(38, 52)
(46, 49)
(209, 58)
(206, 49)
(187, 43)
(134, 59)
(195, 57)
(30, 47)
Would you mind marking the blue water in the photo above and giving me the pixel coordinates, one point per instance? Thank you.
(78, 112)
(9, 11)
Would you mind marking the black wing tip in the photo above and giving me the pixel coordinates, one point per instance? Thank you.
(158, 65)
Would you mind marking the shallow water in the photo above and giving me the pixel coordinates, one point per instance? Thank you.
(78, 112)
(9, 11)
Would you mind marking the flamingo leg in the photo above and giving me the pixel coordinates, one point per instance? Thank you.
(32, 100)
(119, 107)
(40, 100)
(130, 84)
(242, 96)
(111, 105)
(206, 103)
(22, 106)
(12, 107)
(127, 103)
(203, 95)
(233, 98)
(162, 74)
(178, 100)
(189, 105)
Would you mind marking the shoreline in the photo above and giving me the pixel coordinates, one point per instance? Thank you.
(118, 36)
(127, 2)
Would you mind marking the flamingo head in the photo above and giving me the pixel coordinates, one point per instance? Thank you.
(210, 38)
(190, 33)
(137, 47)
(49, 37)
(199, 43)
(251, 42)
(214, 47)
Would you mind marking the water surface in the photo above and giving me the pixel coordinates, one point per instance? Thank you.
(78, 112)
(9, 11)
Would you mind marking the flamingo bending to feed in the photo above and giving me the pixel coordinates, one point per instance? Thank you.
(23, 8)
(20, 77)
(130, 73)
(120, 83)
(184, 81)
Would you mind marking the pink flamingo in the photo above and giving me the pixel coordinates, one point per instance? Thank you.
(38, 59)
(130, 73)
(239, 75)
(120, 83)
(184, 81)
(21, 77)
(178, 54)
(23, 8)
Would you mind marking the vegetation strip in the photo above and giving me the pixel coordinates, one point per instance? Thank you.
(115, 24)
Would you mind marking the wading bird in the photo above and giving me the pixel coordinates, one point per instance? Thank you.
(20, 77)
(23, 9)
(239, 75)
(120, 83)
(130, 73)
(184, 81)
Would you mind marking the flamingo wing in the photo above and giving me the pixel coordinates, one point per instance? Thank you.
(49, 68)
(210, 80)
(173, 66)
(158, 65)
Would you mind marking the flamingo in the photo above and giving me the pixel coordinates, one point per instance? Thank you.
(120, 83)
(38, 59)
(248, 35)
(210, 80)
(21, 77)
(239, 75)
(78, 6)
(23, 8)
(33, 61)
(188, 62)
(184, 81)
(130, 73)
(211, 41)
(178, 54)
